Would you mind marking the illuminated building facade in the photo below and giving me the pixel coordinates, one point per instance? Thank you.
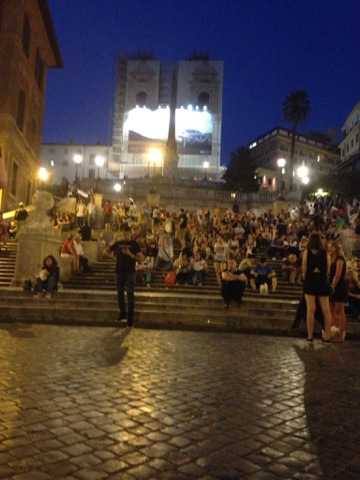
(319, 158)
(350, 143)
(28, 47)
(173, 109)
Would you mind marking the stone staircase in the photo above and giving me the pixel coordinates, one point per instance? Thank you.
(90, 299)
(7, 263)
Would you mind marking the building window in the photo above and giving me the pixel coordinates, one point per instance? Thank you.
(92, 173)
(21, 110)
(352, 143)
(204, 100)
(28, 192)
(33, 134)
(92, 160)
(66, 150)
(51, 150)
(14, 178)
(357, 138)
(141, 99)
(65, 163)
(26, 36)
(39, 70)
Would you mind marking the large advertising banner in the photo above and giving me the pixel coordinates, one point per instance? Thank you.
(148, 129)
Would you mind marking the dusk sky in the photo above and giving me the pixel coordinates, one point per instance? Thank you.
(268, 48)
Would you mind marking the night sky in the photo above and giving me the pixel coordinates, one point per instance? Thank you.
(268, 47)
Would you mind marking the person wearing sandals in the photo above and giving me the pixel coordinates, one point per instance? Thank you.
(339, 295)
(316, 269)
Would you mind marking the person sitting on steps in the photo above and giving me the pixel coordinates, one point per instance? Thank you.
(48, 278)
(264, 274)
(233, 284)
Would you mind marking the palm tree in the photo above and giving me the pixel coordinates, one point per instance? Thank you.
(295, 109)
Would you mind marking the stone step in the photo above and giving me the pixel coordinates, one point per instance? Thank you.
(151, 299)
(154, 310)
(8, 263)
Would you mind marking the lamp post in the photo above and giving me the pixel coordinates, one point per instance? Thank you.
(99, 161)
(206, 166)
(77, 159)
(281, 164)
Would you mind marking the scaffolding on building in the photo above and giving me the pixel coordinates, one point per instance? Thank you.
(118, 118)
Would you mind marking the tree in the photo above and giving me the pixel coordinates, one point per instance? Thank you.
(342, 184)
(295, 109)
(240, 173)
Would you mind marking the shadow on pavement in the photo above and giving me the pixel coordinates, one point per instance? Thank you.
(20, 330)
(114, 352)
(331, 398)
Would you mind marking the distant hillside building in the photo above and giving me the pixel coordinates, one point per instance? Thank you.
(320, 158)
(28, 46)
(350, 144)
(167, 116)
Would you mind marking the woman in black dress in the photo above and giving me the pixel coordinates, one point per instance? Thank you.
(337, 281)
(316, 268)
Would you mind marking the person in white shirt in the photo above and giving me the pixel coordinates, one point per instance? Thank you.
(83, 261)
(80, 213)
(199, 268)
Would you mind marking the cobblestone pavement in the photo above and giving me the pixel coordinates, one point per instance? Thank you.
(102, 403)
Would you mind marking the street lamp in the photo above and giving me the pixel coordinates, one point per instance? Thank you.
(303, 173)
(77, 159)
(43, 175)
(205, 165)
(117, 187)
(281, 164)
(99, 161)
(155, 156)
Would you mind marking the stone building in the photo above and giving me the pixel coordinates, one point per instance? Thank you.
(28, 46)
(350, 143)
(314, 158)
(167, 117)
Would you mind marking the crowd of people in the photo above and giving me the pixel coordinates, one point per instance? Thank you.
(239, 245)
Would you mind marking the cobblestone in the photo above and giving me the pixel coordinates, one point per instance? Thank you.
(102, 403)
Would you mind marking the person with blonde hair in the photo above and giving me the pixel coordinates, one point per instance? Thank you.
(338, 296)
(316, 268)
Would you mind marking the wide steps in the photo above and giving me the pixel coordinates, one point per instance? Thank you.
(152, 309)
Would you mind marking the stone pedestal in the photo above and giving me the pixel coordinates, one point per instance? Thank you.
(36, 240)
(153, 199)
(65, 265)
(92, 251)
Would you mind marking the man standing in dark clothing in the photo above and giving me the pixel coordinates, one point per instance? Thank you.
(85, 232)
(127, 253)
